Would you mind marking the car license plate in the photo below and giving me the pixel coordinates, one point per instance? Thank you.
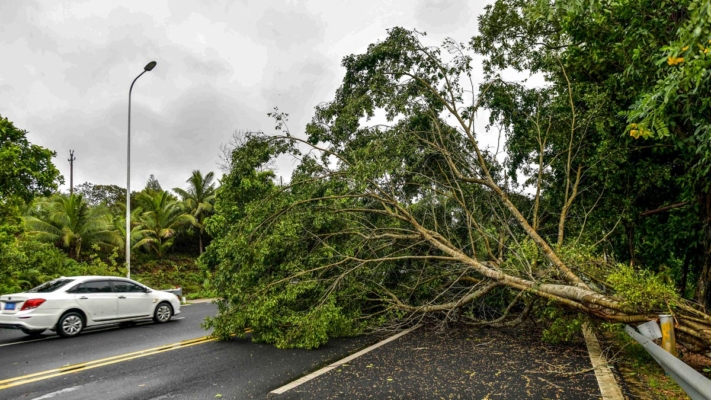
(9, 306)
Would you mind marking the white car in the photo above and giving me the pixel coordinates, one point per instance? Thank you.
(67, 305)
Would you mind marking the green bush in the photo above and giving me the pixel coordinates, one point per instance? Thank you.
(642, 290)
(28, 263)
(172, 271)
(561, 325)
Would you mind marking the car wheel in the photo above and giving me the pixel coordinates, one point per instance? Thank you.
(70, 324)
(32, 332)
(163, 313)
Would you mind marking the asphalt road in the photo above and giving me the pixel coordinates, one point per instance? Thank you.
(464, 363)
(178, 360)
(201, 369)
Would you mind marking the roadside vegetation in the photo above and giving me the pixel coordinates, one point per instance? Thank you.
(644, 379)
(45, 234)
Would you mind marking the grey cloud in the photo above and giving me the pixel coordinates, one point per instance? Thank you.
(189, 135)
(95, 139)
(16, 25)
(285, 29)
(14, 15)
(297, 75)
(211, 9)
(133, 39)
(170, 143)
(211, 65)
(300, 87)
(442, 15)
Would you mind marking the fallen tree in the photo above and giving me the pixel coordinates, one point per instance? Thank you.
(414, 218)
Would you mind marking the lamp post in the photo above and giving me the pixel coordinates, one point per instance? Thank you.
(147, 68)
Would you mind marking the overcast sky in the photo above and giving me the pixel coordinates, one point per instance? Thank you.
(222, 66)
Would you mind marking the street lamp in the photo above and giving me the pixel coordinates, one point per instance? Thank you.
(147, 68)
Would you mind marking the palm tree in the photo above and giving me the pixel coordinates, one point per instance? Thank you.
(119, 223)
(199, 199)
(70, 222)
(163, 216)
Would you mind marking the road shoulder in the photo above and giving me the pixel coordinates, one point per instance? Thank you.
(460, 363)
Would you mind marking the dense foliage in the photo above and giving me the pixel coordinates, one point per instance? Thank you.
(636, 73)
(259, 262)
(28, 263)
(27, 169)
(390, 223)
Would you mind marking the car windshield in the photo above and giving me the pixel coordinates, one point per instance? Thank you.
(50, 286)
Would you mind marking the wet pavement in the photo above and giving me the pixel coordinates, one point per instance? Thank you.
(463, 363)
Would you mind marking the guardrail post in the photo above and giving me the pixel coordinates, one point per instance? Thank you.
(668, 338)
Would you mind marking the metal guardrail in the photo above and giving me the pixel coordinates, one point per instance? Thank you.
(697, 386)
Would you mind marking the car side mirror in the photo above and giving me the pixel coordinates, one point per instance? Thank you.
(147, 290)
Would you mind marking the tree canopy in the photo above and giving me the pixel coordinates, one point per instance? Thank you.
(199, 199)
(70, 222)
(628, 67)
(27, 171)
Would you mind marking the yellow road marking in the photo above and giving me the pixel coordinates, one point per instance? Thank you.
(85, 364)
(74, 368)
(71, 369)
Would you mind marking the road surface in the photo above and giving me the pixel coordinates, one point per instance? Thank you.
(148, 361)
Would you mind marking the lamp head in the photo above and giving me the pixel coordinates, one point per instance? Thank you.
(150, 66)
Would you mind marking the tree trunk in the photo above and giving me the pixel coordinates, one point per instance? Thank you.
(630, 242)
(684, 273)
(703, 294)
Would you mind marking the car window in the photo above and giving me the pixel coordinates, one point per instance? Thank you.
(93, 287)
(50, 286)
(127, 287)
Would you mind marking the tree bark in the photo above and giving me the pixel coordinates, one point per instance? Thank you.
(662, 209)
(703, 294)
(684, 273)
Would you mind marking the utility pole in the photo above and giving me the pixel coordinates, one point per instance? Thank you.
(71, 172)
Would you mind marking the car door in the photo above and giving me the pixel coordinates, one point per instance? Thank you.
(97, 299)
(133, 300)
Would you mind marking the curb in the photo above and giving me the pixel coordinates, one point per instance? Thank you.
(609, 388)
(200, 301)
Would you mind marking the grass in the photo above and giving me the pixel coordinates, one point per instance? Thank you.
(644, 378)
(170, 272)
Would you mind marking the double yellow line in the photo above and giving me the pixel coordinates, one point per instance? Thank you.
(74, 368)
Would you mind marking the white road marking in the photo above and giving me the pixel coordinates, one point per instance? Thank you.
(27, 341)
(323, 370)
(50, 395)
(177, 318)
